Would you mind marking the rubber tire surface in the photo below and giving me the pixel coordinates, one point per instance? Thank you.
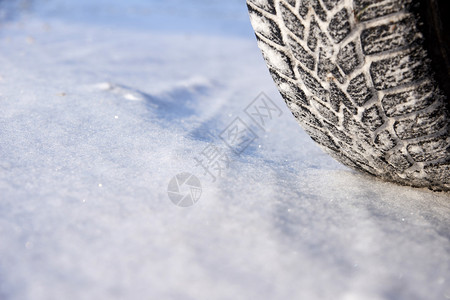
(357, 76)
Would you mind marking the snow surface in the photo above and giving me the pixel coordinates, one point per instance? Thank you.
(103, 102)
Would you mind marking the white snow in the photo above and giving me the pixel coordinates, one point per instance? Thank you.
(103, 102)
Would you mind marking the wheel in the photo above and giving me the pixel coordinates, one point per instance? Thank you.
(366, 79)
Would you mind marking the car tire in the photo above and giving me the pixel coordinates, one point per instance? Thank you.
(366, 79)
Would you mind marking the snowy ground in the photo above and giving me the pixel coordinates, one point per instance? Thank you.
(103, 102)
